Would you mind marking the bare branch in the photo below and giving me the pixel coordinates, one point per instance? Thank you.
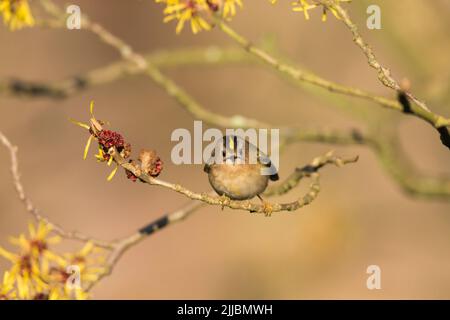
(419, 110)
(210, 55)
(117, 248)
(29, 206)
(226, 202)
(123, 245)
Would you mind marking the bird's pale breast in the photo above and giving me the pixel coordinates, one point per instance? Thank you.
(239, 182)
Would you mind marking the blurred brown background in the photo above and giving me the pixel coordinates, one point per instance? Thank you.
(361, 216)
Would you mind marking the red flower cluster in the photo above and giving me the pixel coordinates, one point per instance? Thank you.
(109, 138)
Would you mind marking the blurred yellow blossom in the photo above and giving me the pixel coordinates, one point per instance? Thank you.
(306, 5)
(229, 7)
(16, 13)
(26, 264)
(199, 13)
(39, 273)
(187, 11)
(83, 265)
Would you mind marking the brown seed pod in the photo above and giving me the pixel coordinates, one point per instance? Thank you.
(150, 162)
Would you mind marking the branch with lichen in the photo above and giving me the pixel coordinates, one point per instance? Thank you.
(31, 208)
(112, 148)
(35, 282)
(211, 55)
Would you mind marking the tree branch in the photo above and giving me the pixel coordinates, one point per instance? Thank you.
(312, 193)
(116, 248)
(121, 69)
(419, 110)
(29, 206)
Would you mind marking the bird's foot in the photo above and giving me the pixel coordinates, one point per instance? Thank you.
(224, 200)
(267, 208)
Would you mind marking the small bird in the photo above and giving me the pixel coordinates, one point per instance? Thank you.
(235, 169)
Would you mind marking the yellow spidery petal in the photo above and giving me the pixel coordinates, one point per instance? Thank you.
(86, 149)
(21, 241)
(203, 24)
(112, 174)
(335, 13)
(31, 230)
(7, 255)
(80, 294)
(194, 26)
(87, 249)
(51, 256)
(43, 230)
(324, 15)
(110, 161)
(54, 295)
(54, 240)
(91, 108)
(99, 155)
(81, 124)
(22, 286)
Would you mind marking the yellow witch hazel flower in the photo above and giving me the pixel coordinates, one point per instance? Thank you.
(41, 274)
(187, 11)
(198, 12)
(306, 5)
(16, 13)
(229, 7)
(89, 260)
(26, 265)
(77, 268)
(106, 139)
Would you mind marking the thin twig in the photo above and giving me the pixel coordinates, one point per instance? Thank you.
(123, 245)
(121, 69)
(249, 206)
(143, 65)
(29, 206)
(116, 248)
(300, 75)
(419, 109)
